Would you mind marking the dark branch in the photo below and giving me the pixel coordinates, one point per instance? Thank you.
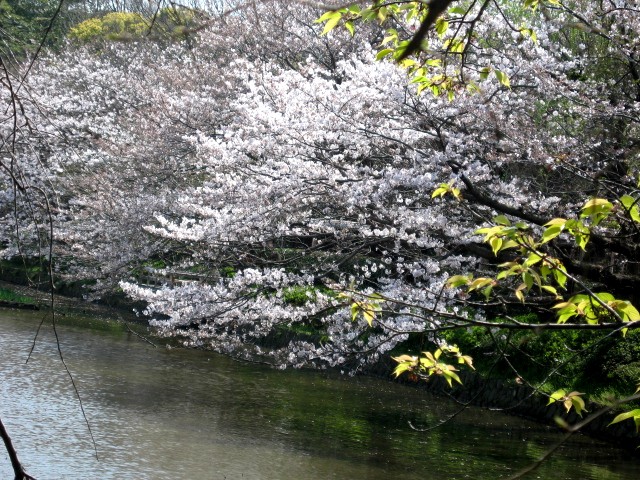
(436, 8)
(18, 469)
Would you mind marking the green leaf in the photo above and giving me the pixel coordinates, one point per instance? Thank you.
(355, 309)
(631, 205)
(556, 221)
(368, 14)
(452, 348)
(326, 16)
(514, 270)
(532, 259)
(545, 270)
(561, 278)
(557, 396)
(450, 375)
(480, 283)
(441, 27)
(551, 233)
(458, 280)
(405, 358)
(528, 32)
(561, 422)
(503, 78)
(509, 244)
(383, 53)
(392, 36)
(627, 311)
(400, 369)
(490, 232)
(383, 13)
(466, 359)
(369, 315)
(472, 87)
(582, 241)
(441, 190)
(577, 403)
(332, 21)
(496, 244)
(455, 46)
(605, 296)
(487, 292)
(569, 400)
(596, 206)
(635, 414)
(349, 26)
(565, 316)
(502, 220)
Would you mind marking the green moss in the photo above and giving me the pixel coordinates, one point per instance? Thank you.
(98, 324)
(299, 295)
(13, 297)
(227, 272)
(158, 264)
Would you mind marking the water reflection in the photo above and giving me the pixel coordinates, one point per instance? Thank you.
(173, 414)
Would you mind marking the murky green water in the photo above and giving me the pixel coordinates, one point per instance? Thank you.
(175, 414)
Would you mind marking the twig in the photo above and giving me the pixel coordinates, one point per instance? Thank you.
(18, 469)
(126, 324)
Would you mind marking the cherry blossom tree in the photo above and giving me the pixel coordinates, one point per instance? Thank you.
(507, 147)
(283, 177)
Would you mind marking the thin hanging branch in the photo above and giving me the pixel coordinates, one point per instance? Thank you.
(22, 188)
(18, 469)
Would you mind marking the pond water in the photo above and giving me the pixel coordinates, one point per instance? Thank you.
(160, 413)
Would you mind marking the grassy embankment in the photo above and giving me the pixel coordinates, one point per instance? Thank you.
(10, 297)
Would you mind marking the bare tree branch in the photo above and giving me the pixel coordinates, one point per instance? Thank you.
(18, 469)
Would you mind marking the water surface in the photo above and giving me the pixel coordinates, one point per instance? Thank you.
(160, 413)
